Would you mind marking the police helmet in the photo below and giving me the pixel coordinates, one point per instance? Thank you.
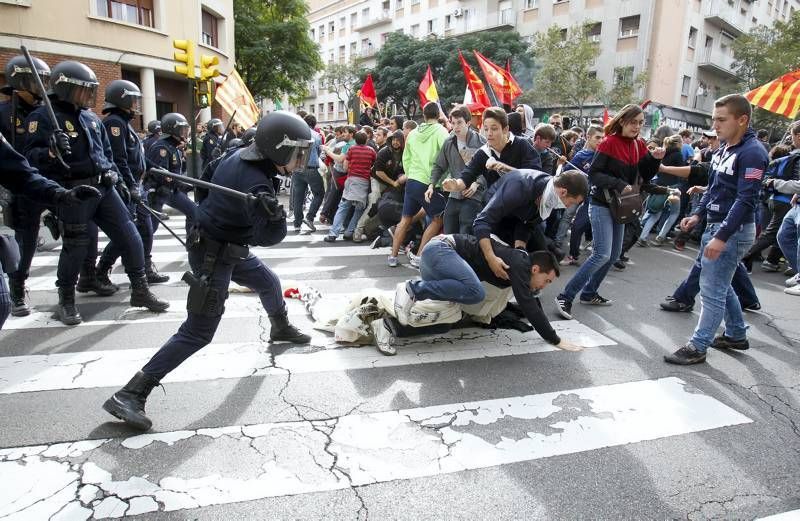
(234, 143)
(20, 77)
(154, 127)
(175, 125)
(74, 82)
(283, 138)
(214, 123)
(248, 136)
(123, 94)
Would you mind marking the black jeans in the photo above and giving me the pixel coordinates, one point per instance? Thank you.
(459, 214)
(769, 235)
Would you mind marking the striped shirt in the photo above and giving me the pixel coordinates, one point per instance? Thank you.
(359, 160)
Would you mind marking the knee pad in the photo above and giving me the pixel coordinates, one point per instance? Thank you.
(75, 234)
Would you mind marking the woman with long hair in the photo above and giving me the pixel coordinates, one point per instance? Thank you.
(621, 159)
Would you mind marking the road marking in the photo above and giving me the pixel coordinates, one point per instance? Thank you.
(91, 369)
(791, 515)
(112, 477)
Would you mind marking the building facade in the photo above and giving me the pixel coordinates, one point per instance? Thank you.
(127, 39)
(684, 46)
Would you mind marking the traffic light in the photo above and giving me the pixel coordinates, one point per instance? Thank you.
(207, 66)
(184, 54)
(204, 95)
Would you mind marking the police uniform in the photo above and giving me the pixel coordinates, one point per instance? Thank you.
(161, 190)
(212, 147)
(148, 142)
(128, 153)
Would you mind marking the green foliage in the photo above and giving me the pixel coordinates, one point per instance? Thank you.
(274, 54)
(344, 80)
(764, 54)
(403, 60)
(564, 62)
(624, 90)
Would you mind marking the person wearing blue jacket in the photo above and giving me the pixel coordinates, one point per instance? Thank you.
(729, 206)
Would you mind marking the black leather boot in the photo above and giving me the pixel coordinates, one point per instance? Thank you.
(103, 276)
(19, 307)
(88, 281)
(128, 403)
(66, 312)
(282, 330)
(142, 297)
(153, 276)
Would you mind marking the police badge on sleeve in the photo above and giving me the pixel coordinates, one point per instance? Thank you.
(115, 131)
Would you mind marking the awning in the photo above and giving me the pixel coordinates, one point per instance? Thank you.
(687, 118)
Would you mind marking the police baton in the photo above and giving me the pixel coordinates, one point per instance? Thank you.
(204, 184)
(555, 152)
(155, 215)
(46, 101)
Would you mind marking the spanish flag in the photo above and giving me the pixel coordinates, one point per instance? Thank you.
(427, 89)
(781, 96)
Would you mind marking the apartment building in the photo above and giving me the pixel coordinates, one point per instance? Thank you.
(683, 45)
(128, 39)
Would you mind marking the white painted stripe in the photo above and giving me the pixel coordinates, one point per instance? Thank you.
(163, 257)
(243, 463)
(792, 515)
(90, 369)
(48, 283)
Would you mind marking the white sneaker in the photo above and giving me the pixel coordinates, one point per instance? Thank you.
(403, 299)
(413, 260)
(793, 281)
(794, 290)
(384, 339)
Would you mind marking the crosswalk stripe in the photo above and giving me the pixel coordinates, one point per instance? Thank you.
(90, 369)
(169, 240)
(222, 465)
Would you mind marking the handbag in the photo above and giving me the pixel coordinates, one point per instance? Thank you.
(626, 208)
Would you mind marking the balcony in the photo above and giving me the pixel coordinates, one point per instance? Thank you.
(717, 63)
(383, 18)
(367, 52)
(505, 20)
(312, 93)
(726, 17)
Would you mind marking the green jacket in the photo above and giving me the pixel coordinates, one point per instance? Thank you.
(422, 147)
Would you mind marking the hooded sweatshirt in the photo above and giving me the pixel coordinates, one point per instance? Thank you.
(422, 147)
(452, 159)
(529, 126)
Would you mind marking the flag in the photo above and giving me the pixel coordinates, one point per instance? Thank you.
(479, 99)
(427, 89)
(367, 93)
(606, 117)
(503, 84)
(781, 96)
(235, 98)
(753, 174)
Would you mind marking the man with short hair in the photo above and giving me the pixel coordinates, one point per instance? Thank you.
(307, 178)
(410, 125)
(763, 138)
(687, 151)
(543, 138)
(729, 206)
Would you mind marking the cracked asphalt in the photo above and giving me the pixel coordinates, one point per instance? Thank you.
(738, 472)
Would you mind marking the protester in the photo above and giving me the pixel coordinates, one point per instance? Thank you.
(307, 178)
(358, 165)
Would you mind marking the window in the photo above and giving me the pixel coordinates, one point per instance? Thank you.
(592, 75)
(209, 35)
(342, 23)
(341, 106)
(692, 37)
(564, 34)
(687, 82)
(352, 49)
(629, 26)
(414, 2)
(341, 53)
(431, 26)
(331, 28)
(593, 32)
(448, 21)
(415, 30)
(353, 20)
(330, 107)
(313, 34)
(321, 109)
(321, 32)
(313, 108)
(139, 12)
(531, 4)
(398, 4)
(365, 15)
(623, 76)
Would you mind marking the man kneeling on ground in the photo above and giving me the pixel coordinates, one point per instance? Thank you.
(453, 266)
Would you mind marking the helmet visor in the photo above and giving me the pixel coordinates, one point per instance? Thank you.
(298, 156)
(132, 101)
(78, 92)
(182, 131)
(22, 79)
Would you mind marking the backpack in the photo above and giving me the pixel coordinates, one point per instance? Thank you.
(782, 168)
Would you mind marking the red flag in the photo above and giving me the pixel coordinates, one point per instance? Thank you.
(367, 92)
(605, 116)
(502, 82)
(479, 96)
(427, 89)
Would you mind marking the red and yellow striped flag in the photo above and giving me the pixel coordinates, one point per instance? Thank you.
(234, 96)
(781, 96)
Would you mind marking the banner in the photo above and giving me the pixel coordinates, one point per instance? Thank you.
(427, 89)
(781, 96)
(232, 95)
(479, 99)
(367, 93)
(503, 84)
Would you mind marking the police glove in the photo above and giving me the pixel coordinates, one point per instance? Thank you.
(124, 193)
(109, 179)
(136, 193)
(59, 144)
(273, 209)
(77, 195)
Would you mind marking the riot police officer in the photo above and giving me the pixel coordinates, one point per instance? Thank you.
(153, 134)
(167, 153)
(212, 142)
(23, 214)
(84, 147)
(21, 179)
(121, 105)
(200, 194)
(219, 252)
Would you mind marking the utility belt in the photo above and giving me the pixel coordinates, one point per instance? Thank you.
(72, 182)
(204, 299)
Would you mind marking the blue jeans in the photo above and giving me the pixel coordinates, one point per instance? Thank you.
(606, 248)
(651, 219)
(5, 300)
(446, 276)
(717, 295)
(741, 283)
(579, 228)
(341, 215)
(789, 236)
(302, 181)
(459, 214)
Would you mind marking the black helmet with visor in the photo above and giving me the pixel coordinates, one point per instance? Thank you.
(283, 138)
(75, 83)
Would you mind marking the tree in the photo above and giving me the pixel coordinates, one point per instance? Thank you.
(625, 88)
(764, 54)
(565, 58)
(274, 54)
(344, 80)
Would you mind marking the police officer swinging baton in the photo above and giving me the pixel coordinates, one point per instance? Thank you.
(46, 101)
(204, 184)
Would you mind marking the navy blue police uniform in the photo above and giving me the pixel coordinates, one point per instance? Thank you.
(161, 190)
(148, 142)
(212, 147)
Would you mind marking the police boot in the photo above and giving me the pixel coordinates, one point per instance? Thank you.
(153, 276)
(281, 329)
(66, 312)
(19, 308)
(141, 297)
(127, 404)
(88, 281)
(103, 275)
